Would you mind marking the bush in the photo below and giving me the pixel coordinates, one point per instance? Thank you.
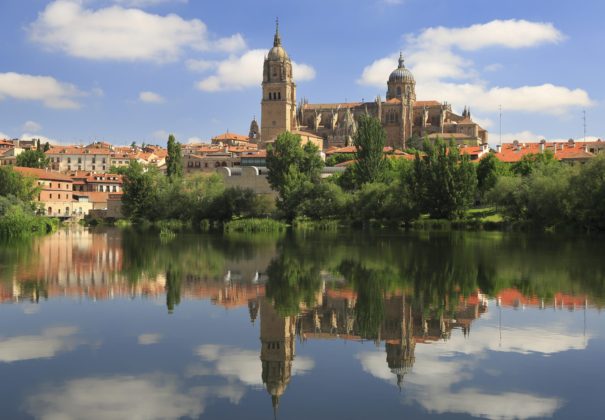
(255, 225)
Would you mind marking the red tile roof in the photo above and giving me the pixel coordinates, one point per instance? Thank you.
(230, 136)
(562, 151)
(42, 174)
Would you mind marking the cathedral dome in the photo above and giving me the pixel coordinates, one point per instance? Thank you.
(277, 53)
(401, 74)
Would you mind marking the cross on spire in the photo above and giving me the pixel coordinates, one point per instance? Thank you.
(276, 39)
(401, 60)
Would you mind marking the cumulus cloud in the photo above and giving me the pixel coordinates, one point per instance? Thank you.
(45, 89)
(439, 380)
(117, 397)
(442, 72)
(32, 126)
(117, 33)
(243, 365)
(239, 72)
(160, 135)
(45, 345)
(150, 97)
(4, 135)
(511, 33)
(146, 3)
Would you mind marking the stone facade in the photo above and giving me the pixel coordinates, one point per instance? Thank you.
(406, 121)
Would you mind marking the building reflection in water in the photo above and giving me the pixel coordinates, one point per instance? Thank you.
(334, 317)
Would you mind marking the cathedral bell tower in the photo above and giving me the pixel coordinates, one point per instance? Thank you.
(278, 106)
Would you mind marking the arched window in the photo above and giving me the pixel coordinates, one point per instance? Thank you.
(50, 210)
(217, 164)
(398, 90)
(278, 95)
(224, 164)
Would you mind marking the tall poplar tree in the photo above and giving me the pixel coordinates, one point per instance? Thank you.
(370, 140)
(174, 160)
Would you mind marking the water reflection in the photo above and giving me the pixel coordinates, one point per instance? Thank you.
(443, 320)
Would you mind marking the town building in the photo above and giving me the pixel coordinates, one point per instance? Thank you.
(565, 151)
(78, 158)
(230, 139)
(405, 119)
(56, 192)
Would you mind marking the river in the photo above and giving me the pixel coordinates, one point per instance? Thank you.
(117, 324)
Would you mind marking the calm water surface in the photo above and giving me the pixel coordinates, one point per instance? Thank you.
(110, 324)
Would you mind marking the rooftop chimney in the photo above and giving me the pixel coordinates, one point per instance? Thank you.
(498, 148)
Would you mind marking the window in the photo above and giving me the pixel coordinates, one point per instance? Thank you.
(50, 185)
(278, 95)
(50, 196)
(79, 160)
(50, 210)
(398, 90)
(59, 196)
(115, 188)
(190, 164)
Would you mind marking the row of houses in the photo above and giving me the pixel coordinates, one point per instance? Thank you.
(76, 194)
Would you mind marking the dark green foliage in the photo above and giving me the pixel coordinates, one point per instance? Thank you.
(370, 140)
(444, 182)
(339, 158)
(529, 162)
(588, 194)
(32, 159)
(488, 171)
(14, 184)
(234, 202)
(174, 160)
(293, 172)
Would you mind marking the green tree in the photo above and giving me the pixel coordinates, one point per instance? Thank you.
(14, 184)
(488, 171)
(588, 189)
(293, 170)
(46, 147)
(531, 161)
(174, 160)
(369, 140)
(444, 181)
(32, 159)
(140, 192)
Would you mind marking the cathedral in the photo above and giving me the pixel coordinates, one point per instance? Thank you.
(406, 121)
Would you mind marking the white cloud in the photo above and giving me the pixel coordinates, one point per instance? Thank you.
(32, 126)
(239, 72)
(523, 136)
(48, 344)
(45, 89)
(146, 3)
(116, 33)
(493, 67)
(511, 33)
(244, 365)
(442, 371)
(160, 135)
(150, 97)
(148, 339)
(231, 44)
(4, 136)
(117, 397)
(443, 74)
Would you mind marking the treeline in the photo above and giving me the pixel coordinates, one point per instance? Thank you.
(198, 201)
(19, 215)
(439, 184)
(541, 192)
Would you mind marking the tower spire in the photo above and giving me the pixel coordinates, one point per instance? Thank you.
(401, 60)
(276, 38)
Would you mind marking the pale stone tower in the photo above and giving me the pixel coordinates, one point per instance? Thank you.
(402, 86)
(278, 107)
(277, 335)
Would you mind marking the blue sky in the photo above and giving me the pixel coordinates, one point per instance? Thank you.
(135, 70)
